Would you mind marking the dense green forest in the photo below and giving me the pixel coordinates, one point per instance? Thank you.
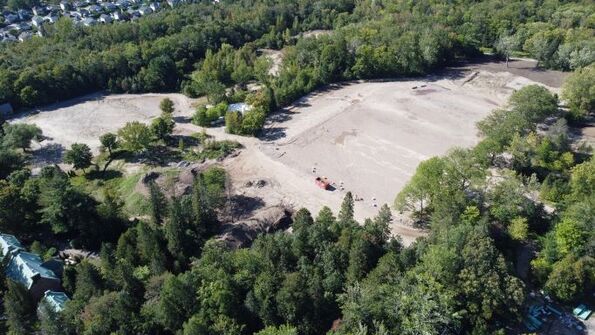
(163, 273)
(374, 39)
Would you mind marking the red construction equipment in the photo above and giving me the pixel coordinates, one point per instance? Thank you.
(322, 183)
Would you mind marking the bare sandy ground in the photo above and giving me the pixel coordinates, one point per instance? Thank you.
(368, 135)
(371, 136)
(276, 59)
(84, 119)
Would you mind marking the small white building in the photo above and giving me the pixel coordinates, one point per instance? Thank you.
(241, 107)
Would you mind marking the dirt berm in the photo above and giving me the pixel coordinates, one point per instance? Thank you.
(241, 234)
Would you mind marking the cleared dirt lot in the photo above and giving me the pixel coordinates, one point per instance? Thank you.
(84, 119)
(371, 136)
(368, 135)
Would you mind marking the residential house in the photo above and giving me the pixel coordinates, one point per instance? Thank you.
(9, 38)
(52, 19)
(155, 6)
(54, 300)
(75, 15)
(11, 18)
(39, 11)
(37, 21)
(9, 245)
(123, 4)
(110, 7)
(145, 10)
(173, 3)
(25, 36)
(52, 303)
(94, 9)
(65, 6)
(104, 18)
(84, 12)
(27, 269)
(24, 14)
(89, 21)
(119, 16)
(24, 26)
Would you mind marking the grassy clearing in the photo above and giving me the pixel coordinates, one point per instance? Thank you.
(95, 182)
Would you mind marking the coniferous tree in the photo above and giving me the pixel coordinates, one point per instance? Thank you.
(19, 308)
(158, 203)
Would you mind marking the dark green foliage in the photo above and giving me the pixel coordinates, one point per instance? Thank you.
(167, 106)
(109, 142)
(50, 321)
(163, 126)
(19, 308)
(526, 107)
(205, 116)
(152, 55)
(79, 156)
(158, 203)
(88, 282)
(18, 207)
(10, 160)
(19, 135)
(151, 248)
(67, 210)
(346, 213)
(135, 137)
(578, 92)
(182, 240)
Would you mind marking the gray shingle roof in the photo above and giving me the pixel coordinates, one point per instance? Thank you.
(26, 267)
(55, 300)
(8, 245)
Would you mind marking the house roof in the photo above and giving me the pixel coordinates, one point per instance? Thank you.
(55, 300)
(26, 267)
(9, 244)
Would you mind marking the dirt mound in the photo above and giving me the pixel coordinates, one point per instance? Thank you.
(170, 183)
(242, 233)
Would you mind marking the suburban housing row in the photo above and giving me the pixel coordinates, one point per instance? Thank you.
(22, 24)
